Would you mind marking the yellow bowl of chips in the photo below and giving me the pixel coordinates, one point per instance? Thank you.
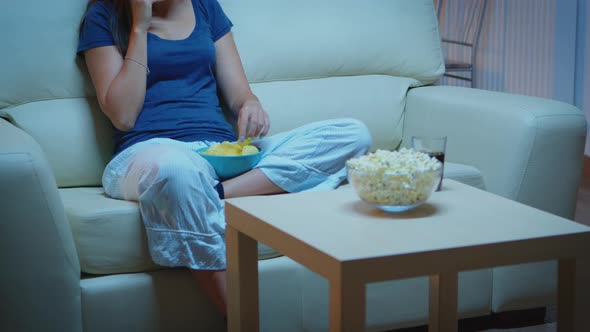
(231, 159)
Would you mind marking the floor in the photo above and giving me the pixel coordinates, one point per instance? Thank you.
(539, 328)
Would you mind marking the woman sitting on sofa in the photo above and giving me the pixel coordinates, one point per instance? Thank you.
(157, 66)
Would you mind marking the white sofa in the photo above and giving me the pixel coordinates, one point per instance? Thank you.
(72, 259)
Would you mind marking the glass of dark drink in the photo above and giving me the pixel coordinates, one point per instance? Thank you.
(433, 146)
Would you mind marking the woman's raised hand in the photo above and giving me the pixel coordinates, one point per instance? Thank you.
(252, 120)
(142, 14)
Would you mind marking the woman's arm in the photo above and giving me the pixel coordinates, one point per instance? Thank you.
(120, 85)
(119, 82)
(235, 90)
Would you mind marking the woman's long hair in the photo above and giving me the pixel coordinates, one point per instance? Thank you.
(120, 22)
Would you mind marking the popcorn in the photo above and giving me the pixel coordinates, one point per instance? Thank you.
(404, 177)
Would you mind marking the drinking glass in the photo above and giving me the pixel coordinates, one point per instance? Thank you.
(434, 147)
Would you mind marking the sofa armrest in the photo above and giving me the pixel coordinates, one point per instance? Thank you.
(40, 273)
(528, 149)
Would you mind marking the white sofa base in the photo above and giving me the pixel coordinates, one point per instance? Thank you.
(292, 299)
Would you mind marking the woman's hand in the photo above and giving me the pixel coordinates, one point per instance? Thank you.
(141, 13)
(253, 121)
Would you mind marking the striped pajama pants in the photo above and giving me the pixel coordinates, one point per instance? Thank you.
(174, 186)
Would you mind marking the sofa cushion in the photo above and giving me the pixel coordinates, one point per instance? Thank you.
(74, 134)
(39, 61)
(283, 40)
(110, 237)
(376, 100)
(109, 234)
(466, 174)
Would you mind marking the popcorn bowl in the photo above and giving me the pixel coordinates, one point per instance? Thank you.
(395, 181)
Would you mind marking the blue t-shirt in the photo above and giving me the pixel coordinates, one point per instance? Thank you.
(181, 99)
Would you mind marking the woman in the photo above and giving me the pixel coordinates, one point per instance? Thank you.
(157, 66)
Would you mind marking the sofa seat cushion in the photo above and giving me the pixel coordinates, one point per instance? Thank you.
(109, 234)
(465, 174)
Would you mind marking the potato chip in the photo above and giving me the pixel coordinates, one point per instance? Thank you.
(249, 149)
(231, 149)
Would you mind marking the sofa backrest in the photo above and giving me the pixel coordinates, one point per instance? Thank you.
(294, 40)
(45, 90)
(306, 60)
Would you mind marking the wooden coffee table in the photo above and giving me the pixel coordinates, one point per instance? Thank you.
(351, 244)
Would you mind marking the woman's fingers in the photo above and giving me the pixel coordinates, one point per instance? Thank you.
(252, 121)
(141, 11)
(258, 125)
(253, 126)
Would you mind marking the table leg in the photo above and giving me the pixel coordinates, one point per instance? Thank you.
(573, 295)
(347, 305)
(442, 315)
(581, 321)
(566, 290)
(242, 281)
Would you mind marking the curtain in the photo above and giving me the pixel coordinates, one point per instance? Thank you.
(515, 53)
(582, 94)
